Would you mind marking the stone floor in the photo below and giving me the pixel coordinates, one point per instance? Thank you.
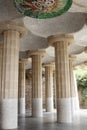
(48, 122)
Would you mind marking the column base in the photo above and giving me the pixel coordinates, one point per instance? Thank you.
(37, 110)
(9, 113)
(64, 110)
(49, 105)
(21, 106)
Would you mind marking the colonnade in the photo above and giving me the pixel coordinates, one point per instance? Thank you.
(11, 94)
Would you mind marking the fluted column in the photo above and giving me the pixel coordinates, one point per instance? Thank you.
(30, 92)
(49, 86)
(1, 58)
(54, 85)
(61, 42)
(72, 85)
(9, 89)
(36, 82)
(21, 87)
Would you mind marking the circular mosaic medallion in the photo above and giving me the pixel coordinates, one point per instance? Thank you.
(42, 9)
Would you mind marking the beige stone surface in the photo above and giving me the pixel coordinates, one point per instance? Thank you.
(61, 42)
(49, 80)
(11, 35)
(72, 84)
(36, 72)
(62, 70)
(36, 82)
(54, 88)
(52, 40)
(21, 86)
(1, 58)
(10, 64)
(37, 76)
(11, 26)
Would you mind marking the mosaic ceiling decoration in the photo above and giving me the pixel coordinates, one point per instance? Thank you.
(43, 9)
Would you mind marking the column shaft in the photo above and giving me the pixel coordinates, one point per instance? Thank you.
(49, 88)
(62, 70)
(54, 85)
(1, 58)
(21, 88)
(72, 86)
(36, 85)
(10, 64)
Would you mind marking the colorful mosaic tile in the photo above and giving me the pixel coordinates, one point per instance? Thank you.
(43, 8)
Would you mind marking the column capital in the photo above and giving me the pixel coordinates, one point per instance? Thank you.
(51, 64)
(60, 38)
(25, 61)
(11, 26)
(41, 52)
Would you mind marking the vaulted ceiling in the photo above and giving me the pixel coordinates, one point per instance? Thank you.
(73, 22)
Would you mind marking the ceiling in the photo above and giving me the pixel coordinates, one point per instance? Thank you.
(73, 22)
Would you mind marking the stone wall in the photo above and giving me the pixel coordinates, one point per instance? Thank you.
(43, 91)
(28, 91)
(28, 96)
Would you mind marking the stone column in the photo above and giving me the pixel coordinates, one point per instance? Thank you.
(72, 85)
(30, 91)
(1, 58)
(36, 81)
(49, 86)
(9, 87)
(61, 42)
(54, 85)
(21, 87)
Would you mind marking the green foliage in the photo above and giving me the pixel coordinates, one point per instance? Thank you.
(82, 81)
(82, 85)
(84, 97)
